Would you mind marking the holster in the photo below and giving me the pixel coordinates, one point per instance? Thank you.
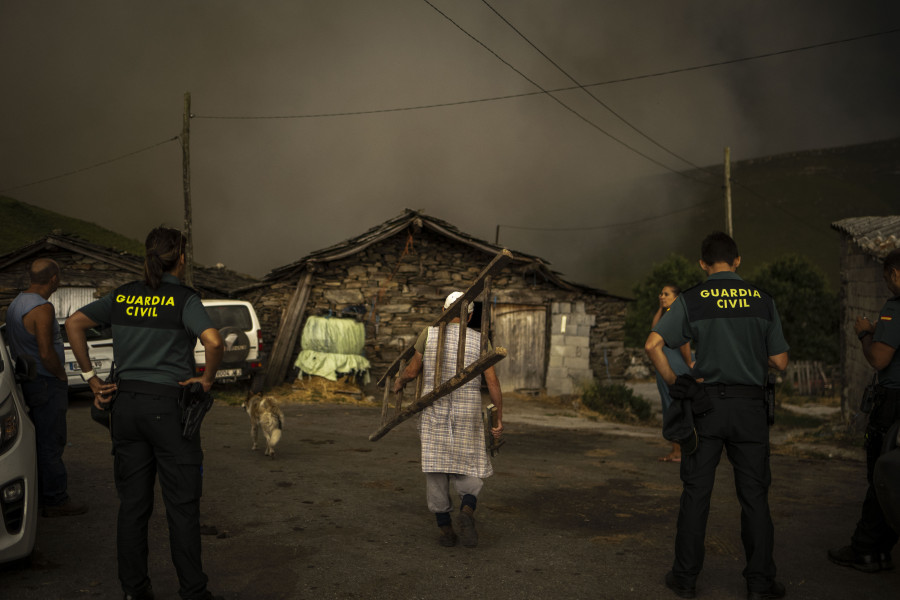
(102, 415)
(867, 403)
(194, 403)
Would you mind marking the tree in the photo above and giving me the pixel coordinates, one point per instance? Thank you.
(810, 314)
(675, 270)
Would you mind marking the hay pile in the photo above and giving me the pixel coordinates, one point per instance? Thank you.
(310, 389)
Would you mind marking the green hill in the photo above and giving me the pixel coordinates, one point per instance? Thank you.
(22, 224)
(781, 204)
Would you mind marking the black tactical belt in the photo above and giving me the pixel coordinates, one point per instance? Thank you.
(151, 389)
(734, 391)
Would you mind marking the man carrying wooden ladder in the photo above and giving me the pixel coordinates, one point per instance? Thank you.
(451, 428)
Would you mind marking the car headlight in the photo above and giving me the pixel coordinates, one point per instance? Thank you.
(9, 423)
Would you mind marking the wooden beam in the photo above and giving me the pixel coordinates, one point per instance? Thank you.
(279, 359)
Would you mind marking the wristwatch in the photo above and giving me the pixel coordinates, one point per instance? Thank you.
(863, 334)
(86, 376)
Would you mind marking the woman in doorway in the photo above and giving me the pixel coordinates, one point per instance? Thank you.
(679, 359)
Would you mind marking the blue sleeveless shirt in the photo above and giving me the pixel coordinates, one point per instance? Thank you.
(21, 342)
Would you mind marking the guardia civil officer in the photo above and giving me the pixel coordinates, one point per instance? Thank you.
(870, 547)
(737, 334)
(155, 325)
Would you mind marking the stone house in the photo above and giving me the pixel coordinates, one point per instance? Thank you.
(865, 241)
(89, 271)
(395, 276)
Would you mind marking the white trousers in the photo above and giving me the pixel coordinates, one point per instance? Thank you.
(437, 489)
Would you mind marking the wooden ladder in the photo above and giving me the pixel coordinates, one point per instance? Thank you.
(392, 410)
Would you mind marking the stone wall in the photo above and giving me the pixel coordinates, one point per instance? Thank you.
(863, 294)
(400, 284)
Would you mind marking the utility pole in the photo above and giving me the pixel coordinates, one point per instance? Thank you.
(729, 228)
(186, 177)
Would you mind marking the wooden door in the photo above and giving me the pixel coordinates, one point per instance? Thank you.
(522, 330)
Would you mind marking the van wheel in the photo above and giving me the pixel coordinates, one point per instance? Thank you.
(237, 344)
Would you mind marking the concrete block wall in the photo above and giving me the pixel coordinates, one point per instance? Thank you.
(570, 347)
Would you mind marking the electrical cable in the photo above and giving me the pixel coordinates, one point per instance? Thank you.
(563, 104)
(589, 93)
(89, 167)
(624, 224)
(555, 90)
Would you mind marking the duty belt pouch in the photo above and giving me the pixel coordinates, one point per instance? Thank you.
(194, 404)
(868, 399)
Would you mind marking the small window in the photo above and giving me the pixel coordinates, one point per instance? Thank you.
(233, 315)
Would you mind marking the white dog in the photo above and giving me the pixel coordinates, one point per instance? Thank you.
(266, 414)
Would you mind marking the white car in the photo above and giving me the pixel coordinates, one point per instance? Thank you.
(100, 342)
(236, 320)
(18, 467)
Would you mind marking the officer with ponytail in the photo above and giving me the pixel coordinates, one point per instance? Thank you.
(155, 325)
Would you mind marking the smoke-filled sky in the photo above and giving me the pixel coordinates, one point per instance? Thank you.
(90, 81)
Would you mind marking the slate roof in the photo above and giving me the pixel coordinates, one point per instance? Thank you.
(212, 279)
(418, 219)
(876, 236)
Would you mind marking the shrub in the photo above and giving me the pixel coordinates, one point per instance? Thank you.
(616, 401)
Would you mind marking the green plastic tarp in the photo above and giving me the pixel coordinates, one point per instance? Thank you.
(330, 346)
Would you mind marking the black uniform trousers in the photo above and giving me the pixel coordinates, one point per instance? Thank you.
(146, 434)
(739, 425)
(873, 533)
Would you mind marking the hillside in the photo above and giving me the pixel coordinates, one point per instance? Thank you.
(22, 224)
(781, 204)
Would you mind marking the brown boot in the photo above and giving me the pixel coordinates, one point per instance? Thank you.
(467, 532)
(448, 536)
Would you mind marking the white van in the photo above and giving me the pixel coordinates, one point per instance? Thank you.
(238, 324)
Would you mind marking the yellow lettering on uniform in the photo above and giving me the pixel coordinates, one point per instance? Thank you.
(720, 303)
(129, 311)
(745, 304)
(704, 294)
(156, 300)
(120, 298)
(756, 294)
(170, 301)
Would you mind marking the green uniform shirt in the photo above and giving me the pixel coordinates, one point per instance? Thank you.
(154, 331)
(887, 331)
(734, 326)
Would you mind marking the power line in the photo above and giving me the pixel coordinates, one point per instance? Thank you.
(802, 220)
(589, 93)
(551, 91)
(563, 104)
(608, 226)
(94, 166)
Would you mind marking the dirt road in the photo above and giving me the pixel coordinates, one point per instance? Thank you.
(577, 509)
